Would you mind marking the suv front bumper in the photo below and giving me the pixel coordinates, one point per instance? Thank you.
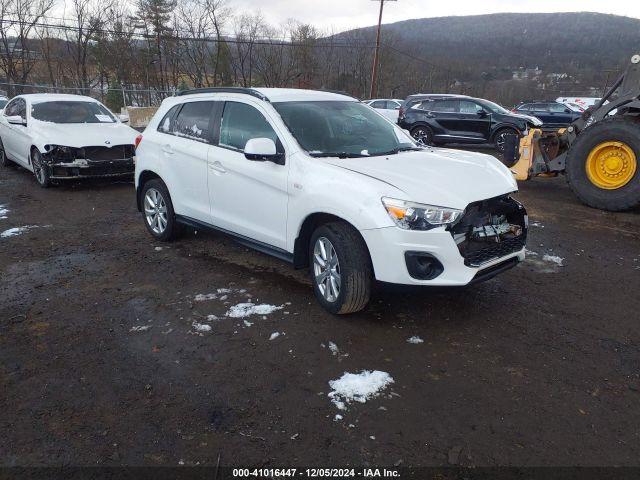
(387, 247)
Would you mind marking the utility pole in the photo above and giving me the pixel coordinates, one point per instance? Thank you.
(374, 70)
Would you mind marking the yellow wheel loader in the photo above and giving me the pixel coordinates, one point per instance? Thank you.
(599, 153)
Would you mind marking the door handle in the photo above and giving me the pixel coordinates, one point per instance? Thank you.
(217, 167)
(167, 149)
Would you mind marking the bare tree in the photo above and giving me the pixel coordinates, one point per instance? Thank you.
(19, 21)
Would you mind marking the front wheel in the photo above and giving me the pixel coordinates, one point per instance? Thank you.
(602, 164)
(340, 268)
(39, 169)
(500, 138)
(4, 161)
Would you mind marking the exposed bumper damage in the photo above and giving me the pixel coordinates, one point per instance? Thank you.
(64, 163)
(491, 229)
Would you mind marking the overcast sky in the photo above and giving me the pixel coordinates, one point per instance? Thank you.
(346, 14)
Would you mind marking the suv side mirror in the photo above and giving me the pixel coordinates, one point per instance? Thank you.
(123, 118)
(261, 150)
(16, 120)
(567, 110)
(482, 113)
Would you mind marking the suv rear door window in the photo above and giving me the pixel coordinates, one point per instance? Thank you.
(193, 121)
(242, 122)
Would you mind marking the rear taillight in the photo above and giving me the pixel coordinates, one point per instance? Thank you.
(138, 140)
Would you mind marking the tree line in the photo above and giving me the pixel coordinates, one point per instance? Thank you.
(140, 53)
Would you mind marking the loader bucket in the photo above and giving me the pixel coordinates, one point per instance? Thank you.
(536, 151)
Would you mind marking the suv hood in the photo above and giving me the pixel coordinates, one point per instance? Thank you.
(447, 178)
(79, 135)
(535, 121)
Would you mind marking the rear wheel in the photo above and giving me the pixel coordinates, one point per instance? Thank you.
(40, 171)
(340, 268)
(157, 211)
(602, 164)
(423, 135)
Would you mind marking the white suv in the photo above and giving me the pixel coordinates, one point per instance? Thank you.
(321, 180)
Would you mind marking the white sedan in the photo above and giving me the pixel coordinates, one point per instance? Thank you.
(388, 107)
(60, 137)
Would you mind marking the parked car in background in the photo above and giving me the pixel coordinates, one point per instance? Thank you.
(60, 137)
(3, 101)
(552, 114)
(442, 119)
(584, 102)
(320, 180)
(387, 107)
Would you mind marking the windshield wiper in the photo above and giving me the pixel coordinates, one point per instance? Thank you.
(397, 150)
(338, 154)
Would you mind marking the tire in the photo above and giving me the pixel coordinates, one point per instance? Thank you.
(157, 211)
(422, 134)
(39, 170)
(498, 140)
(589, 141)
(4, 161)
(353, 268)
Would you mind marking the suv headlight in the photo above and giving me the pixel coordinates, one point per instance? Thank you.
(417, 216)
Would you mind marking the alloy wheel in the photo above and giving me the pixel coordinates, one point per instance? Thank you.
(326, 269)
(38, 169)
(155, 211)
(422, 136)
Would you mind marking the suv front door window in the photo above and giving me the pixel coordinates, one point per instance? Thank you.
(247, 197)
(475, 121)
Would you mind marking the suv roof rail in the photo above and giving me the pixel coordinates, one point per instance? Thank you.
(246, 91)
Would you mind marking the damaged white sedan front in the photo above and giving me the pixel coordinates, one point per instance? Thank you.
(61, 137)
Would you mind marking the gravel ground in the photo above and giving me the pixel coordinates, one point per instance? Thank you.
(109, 357)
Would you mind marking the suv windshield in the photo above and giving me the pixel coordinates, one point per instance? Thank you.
(494, 107)
(71, 112)
(341, 129)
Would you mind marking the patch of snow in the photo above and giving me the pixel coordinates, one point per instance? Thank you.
(274, 335)
(530, 252)
(553, 258)
(140, 328)
(537, 224)
(212, 318)
(224, 290)
(3, 212)
(158, 249)
(12, 232)
(203, 297)
(201, 327)
(415, 340)
(247, 309)
(358, 387)
(247, 323)
(337, 418)
(334, 348)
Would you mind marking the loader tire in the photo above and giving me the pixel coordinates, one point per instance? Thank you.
(602, 165)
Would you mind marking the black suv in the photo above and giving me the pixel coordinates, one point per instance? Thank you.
(440, 119)
(552, 114)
